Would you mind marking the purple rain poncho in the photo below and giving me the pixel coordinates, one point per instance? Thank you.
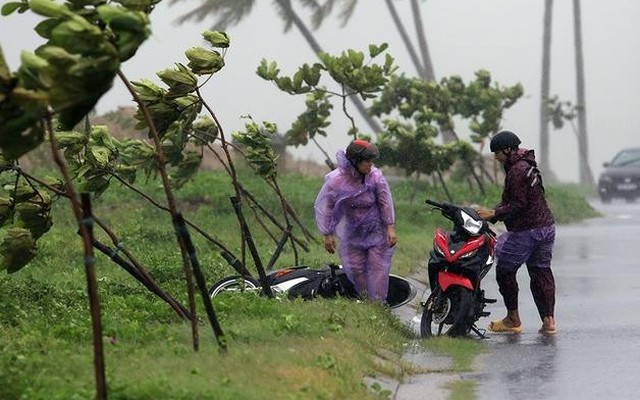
(358, 212)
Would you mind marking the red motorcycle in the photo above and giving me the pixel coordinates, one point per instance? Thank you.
(460, 259)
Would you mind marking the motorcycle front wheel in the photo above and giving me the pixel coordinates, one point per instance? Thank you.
(233, 284)
(447, 313)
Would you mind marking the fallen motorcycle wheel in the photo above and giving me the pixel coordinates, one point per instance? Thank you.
(233, 284)
(447, 314)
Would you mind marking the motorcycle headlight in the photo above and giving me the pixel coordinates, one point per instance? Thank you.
(437, 249)
(470, 224)
(469, 254)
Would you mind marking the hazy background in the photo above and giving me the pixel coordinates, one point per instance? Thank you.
(502, 36)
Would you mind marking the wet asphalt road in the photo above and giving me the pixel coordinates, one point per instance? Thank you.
(596, 352)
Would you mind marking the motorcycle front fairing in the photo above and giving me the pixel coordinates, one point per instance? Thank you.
(446, 279)
(463, 257)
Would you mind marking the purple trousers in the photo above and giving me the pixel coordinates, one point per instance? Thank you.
(533, 247)
(368, 268)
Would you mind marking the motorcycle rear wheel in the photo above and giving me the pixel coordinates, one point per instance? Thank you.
(448, 313)
(233, 284)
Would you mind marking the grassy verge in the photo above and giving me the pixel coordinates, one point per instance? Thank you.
(283, 349)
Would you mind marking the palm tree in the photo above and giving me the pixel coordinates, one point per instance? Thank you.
(231, 12)
(586, 176)
(406, 40)
(422, 41)
(422, 64)
(544, 92)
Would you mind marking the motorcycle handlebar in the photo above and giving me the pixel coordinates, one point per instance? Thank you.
(433, 203)
(449, 211)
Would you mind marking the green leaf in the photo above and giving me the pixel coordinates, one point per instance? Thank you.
(100, 136)
(135, 152)
(285, 84)
(34, 216)
(217, 38)
(77, 37)
(203, 61)
(44, 28)
(95, 183)
(83, 170)
(58, 57)
(130, 28)
(205, 129)
(389, 68)
(32, 62)
(17, 248)
(356, 58)
(162, 114)
(5, 73)
(66, 139)
(78, 89)
(48, 8)
(474, 126)
(6, 213)
(148, 91)
(375, 50)
(23, 129)
(186, 169)
(137, 5)
(9, 8)
(180, 80)
(121, 19)
(101, 155)
(268, 71)
(298, 79)
(311, 75)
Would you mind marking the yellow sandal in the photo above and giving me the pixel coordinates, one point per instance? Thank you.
(498, 326)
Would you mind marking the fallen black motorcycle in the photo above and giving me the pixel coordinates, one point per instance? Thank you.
(460, 259)
(302, 281)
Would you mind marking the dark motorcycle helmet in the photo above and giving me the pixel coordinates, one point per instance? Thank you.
(504, 140)
(359, 150)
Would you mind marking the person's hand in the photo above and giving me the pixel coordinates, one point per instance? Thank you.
(486, 214)
(391, 235)
(330, 243)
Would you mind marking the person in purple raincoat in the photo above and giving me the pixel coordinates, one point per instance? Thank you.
(355, 204)
(529, 238)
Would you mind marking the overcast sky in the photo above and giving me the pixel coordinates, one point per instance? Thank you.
(502, 36)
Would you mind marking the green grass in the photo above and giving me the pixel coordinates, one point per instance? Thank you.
(462, 390)
(568, 204)
(286, 349)
(461, 351)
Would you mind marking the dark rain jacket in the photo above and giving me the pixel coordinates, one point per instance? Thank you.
(523, 204)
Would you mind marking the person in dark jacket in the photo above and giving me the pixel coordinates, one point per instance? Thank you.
(529, 238)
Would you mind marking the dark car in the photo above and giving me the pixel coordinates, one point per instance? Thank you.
(621, 177)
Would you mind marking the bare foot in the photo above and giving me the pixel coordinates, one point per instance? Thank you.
(510, 322)
(548, 325)
(512, 319)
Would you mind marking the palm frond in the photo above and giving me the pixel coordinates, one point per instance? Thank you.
(317, 13)
(285, 12)
(326, 9)
(227, 12)
(313, 4)
(347, 11)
